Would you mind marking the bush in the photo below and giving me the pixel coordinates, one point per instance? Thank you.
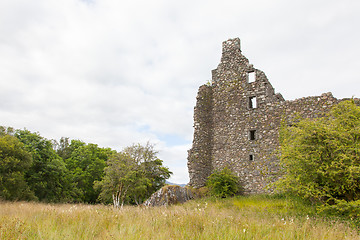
(223, 183)
(342, 208)
(320, 159)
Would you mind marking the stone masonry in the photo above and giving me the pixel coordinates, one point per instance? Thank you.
(237, 122)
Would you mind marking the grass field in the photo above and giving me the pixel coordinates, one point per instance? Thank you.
(256, 217)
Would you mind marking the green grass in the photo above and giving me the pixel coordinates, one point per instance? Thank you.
(254, 217)
(275, 204)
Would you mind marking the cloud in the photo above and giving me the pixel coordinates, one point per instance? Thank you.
(118, 72)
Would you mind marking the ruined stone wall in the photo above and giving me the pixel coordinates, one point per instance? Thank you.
(200, 155)
(237, 122)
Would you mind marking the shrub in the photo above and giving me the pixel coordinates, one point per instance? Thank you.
(223, 183)
(342, 208)
(320, 159)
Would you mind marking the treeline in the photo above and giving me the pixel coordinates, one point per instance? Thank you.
(33, 168)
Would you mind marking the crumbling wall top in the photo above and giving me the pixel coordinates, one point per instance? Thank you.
(231, 45)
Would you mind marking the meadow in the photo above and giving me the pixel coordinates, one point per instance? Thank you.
(255, 217)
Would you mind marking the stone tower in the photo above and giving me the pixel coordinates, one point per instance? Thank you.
(237, 119)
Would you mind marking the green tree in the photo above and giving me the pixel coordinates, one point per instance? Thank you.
(120, 175)
(14, 161)
(63, 148)
(133, 175)
(47, 175)
(223, 183)
(320, 158)
(151, 173)
(86, 163)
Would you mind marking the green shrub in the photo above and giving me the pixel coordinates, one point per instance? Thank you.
(320, 159)
(223, 183)
(342, 208)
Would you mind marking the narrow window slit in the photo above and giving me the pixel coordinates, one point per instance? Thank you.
(252, 134)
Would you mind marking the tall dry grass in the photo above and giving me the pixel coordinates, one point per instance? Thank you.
(242, 218)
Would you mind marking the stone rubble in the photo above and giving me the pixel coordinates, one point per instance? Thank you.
(169, 195)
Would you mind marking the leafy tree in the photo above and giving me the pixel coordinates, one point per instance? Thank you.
(63, 148)
(47, 175)
(14, 161)
(151, 174)
(7, 131)
(120, 175)
(223, 183)
(320, 158)
(86, 163)
(133, 175)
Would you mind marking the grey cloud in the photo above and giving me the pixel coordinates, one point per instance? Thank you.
(99, 71)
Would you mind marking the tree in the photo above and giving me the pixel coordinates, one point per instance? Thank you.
(150, 171)
(14, 161)
(47, 175)
(133, 175)
(63, 148)
(320, 158)
(120, 175)
(86, 163)
(223, 183)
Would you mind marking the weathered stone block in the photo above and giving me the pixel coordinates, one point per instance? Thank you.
(169, 195)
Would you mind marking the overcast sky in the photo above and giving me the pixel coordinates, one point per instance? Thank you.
(121, 72)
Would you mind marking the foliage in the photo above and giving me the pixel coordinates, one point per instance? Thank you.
(132, 175)
(47, 175)
(223, 183)
(86, 163)
(120, 175)
(35, 168)
(151, 174)
(342, 208)
(14, 162)
(320, 158)
(64, 148)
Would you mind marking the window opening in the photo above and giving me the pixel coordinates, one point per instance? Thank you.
(251, 157)
(252, 77)
(252, 102)
(252, 134)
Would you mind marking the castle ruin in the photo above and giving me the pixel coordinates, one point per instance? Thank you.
(237, 118)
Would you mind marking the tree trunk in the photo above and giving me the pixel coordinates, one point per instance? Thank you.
(116, 199)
